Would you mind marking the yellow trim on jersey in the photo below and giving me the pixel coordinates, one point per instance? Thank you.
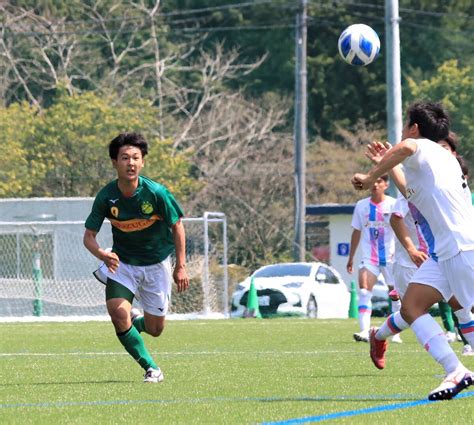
(135, 224)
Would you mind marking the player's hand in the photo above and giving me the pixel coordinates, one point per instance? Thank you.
(361, 181)
(418, 257)
(349, 266)
(181, 279)
(111, 260)
(376, 150)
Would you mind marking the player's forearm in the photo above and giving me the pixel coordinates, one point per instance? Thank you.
(179, 238)
(401, 232)
(398, 177)
(391, 159)
(355, 239)
(92, 245)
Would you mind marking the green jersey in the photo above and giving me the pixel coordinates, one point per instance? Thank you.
(141, 224)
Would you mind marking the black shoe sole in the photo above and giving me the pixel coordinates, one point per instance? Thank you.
(453, 392)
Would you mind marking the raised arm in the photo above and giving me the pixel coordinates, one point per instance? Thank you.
(375, 152)
(391, 159)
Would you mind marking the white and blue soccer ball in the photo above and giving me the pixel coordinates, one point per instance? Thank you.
(359, 44)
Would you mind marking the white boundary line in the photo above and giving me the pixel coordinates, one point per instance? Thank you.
(199, 353)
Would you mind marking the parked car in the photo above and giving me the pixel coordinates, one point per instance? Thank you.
(311, 289)
(380, 301)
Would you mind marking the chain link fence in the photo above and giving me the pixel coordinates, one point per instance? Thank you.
(46, 271)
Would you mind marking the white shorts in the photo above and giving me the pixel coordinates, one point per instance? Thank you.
(403, 276)
(386, 271)
(151, 285)
(454, 276)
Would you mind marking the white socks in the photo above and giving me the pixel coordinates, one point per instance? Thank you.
(432, 338)
(396, 306)
(365, 309)
(466, 323)
(393, 325)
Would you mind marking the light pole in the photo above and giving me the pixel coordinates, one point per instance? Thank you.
(300, 131)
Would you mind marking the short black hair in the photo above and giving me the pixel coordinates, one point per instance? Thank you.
(432, 119)
(123, 139)
(384, 177)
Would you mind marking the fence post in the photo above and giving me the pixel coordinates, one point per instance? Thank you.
(205, 288)
(37, 281)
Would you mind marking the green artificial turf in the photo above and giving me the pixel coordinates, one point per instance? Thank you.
(244, 371)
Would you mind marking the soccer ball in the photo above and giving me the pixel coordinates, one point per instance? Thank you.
(359, 44)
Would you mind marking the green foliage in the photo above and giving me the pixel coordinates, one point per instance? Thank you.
(431, 31)
(452, 85)
(16, 174)
(62, 151)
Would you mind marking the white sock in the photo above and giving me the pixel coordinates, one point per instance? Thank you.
(432, 338)
(396, 306)
(394, 324)
(365, 309)
(466, 323)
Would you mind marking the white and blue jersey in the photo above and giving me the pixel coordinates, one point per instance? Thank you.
(442, 212)
(412, 219)
(377, 237)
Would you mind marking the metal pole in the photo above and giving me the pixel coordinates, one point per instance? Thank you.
(37, 280)
(393, 75)
(226, 276)
(206, 266)
(300, 131)
(222, 218)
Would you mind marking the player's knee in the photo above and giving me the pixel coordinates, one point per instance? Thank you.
(120, 318)
(411, 312)
(155, 331)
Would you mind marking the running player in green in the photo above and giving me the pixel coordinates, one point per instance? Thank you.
(146, 229)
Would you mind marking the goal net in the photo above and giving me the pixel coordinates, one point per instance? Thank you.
(46, 272)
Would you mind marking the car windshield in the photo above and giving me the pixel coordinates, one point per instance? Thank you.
(284, 270)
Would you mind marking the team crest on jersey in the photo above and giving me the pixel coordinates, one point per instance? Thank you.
(114, 211)
(147, 208)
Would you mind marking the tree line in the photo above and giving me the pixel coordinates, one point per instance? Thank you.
(210, 83)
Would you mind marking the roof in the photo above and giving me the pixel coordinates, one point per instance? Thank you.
(330, 209)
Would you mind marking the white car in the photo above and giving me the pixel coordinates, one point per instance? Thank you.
(311, 289)
(380, 301)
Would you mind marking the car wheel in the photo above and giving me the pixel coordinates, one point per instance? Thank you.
(312, 308)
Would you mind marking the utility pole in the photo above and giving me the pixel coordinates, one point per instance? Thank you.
(393, 76)
(300, 131)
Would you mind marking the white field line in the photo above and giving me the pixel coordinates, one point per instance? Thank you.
(199, 353)
(194, 320)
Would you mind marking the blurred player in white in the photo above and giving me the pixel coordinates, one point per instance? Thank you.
(436, 186)
(371, 228)
(411, 250)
